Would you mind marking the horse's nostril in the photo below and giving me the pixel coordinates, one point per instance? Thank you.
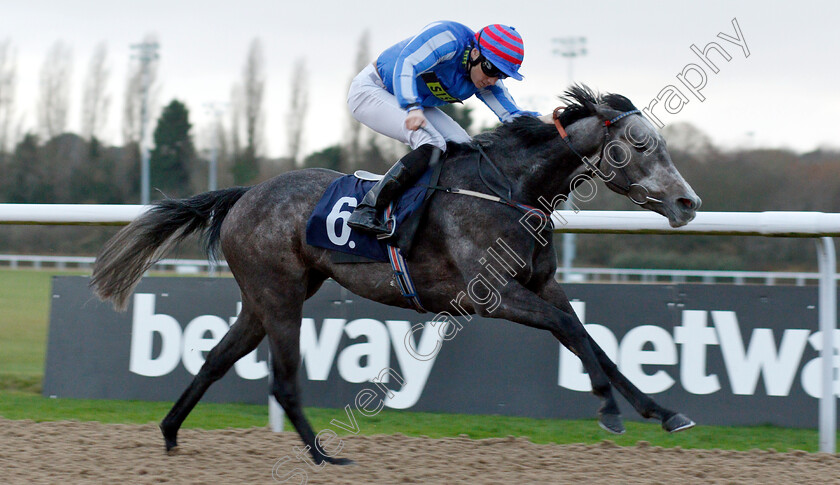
(687, 204)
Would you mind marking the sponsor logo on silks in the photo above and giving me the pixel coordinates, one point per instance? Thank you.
(441, 93)
(436, 88)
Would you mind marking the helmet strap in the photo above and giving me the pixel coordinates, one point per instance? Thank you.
(478, 60)
(480, 57)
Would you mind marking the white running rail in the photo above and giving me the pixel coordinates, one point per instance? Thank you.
(818, 225)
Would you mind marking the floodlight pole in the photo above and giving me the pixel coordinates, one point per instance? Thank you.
(570, 48)
(146, 53)
(216, 110)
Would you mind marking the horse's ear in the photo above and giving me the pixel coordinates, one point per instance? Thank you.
(581, 94)
(604, 112)
(590, 106)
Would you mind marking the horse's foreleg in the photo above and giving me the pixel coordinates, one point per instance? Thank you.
(609, 414)
(518, 304)
(641, 402)
(243, 337)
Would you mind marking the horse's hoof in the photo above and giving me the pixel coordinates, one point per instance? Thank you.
(339, 461)
(612, 423)
(170, 439)
(677, 422)
(170, 445)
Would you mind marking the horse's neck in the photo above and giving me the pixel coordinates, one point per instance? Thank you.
(553, 166)
(548, 176)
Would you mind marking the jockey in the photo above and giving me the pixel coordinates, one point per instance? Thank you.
(396, 96)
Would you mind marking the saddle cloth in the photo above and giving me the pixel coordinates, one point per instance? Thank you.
(327, 225)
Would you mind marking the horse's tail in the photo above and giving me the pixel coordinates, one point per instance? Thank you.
(133, 250)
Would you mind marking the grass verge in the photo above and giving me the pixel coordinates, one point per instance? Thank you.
(25, 299)
(25, 405)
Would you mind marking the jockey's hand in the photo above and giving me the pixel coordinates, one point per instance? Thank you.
(415, 119)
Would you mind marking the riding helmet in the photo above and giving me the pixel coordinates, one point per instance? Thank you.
(502, 45)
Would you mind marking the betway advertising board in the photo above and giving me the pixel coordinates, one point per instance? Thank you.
(720, 354)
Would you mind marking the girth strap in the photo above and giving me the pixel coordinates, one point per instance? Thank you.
(400, 268)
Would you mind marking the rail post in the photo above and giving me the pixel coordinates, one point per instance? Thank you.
(828, 322)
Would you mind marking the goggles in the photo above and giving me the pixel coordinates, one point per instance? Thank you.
(490, 70)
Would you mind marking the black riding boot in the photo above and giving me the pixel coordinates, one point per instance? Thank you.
(399, 177)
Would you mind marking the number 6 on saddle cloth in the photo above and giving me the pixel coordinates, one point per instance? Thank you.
(327, 225)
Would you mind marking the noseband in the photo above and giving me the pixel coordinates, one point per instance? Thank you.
(634, 191)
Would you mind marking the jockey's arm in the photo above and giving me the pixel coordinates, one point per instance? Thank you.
(497, 98)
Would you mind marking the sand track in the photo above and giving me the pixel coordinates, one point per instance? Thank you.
(74, 452)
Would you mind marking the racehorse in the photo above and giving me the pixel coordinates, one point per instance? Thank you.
(261, 230)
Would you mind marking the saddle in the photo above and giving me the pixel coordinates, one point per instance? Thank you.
(327, 225)
(369, 176)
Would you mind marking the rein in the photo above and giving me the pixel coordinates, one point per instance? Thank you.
(626, 187)
(506, 199)
(518, 205)
(508, 183)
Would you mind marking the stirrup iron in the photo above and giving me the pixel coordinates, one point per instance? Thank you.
(393, 224)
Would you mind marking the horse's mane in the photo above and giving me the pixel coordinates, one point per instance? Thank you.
(580, 102)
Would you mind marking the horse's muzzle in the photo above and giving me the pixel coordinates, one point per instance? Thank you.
(682, 210)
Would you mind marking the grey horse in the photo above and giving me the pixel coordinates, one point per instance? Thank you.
(530, 162)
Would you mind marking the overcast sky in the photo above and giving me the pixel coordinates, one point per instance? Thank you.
(784, 94)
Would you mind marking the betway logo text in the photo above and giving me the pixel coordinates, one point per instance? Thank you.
(318, 352)
(744, 359)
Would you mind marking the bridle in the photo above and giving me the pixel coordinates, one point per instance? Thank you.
(634, 191)
(503, 195)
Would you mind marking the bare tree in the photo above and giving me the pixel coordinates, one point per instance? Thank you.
(253, 82)
(247, 109)
(223, 153)
(7, 94)
(690, 139)
(95, 100)
(54, 100)
(298, 105)
(353, 142)
(236, 111)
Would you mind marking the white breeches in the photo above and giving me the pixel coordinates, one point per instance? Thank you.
(379, 110)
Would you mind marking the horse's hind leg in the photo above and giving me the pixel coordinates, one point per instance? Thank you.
(243, 337)
(283, 328)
